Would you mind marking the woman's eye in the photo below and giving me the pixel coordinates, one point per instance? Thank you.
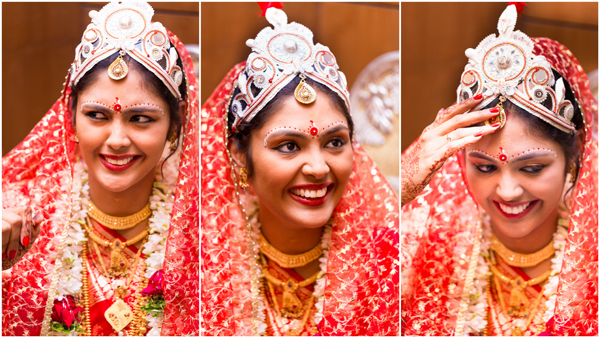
(486, 168)
(96, 115)
(336, 143)
(288, 147)
(533, 169)
(141, 119)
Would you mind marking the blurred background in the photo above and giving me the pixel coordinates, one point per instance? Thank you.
(436, 35)
(38, 47)
(364, 37)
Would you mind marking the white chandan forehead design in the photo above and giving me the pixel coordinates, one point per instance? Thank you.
(278, 55)
(506, 66)
(127, 27)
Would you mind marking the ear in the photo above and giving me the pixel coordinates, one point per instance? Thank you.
(579, 139)
(238, 157)
(182, 108)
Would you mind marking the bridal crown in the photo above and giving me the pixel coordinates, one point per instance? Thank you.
(126, 27)
(278, 55)
(505, 67)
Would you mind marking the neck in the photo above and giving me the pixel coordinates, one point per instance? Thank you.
(288, 238)
(121, 203)
(535, 240)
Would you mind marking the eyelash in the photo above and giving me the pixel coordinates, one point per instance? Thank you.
(296, 147)
(99, 116)
(530, 169)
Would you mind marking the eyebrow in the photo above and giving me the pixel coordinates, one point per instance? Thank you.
(96, 105)
(339, 127)
(514, 158)
(143, 108)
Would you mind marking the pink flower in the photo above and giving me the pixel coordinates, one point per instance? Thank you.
(65, 311)
(154, 287)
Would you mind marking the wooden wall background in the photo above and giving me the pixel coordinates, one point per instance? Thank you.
(436, 35)
(356, 33)
(38, 46)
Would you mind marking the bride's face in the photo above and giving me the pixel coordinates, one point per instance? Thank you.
(517, 178)
(299, 176)
(122, 129)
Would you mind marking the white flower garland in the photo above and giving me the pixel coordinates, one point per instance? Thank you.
(70, 274)
(477, 309)
(319, 290)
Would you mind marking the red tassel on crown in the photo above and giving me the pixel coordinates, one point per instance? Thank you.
(519, 5)
(265, 5)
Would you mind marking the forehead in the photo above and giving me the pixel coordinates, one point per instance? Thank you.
(295, 114)
(130, 89)
(514, 138)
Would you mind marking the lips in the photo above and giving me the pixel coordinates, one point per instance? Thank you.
(307, 193)
(311, 194)
(515, 210)
(118, 163)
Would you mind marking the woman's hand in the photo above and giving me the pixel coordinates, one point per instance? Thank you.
(450, 132)
(19, 231)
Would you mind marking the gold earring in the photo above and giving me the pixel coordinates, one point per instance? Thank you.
(573, 172)
(76, 139)
(243, 178)
(172, 140)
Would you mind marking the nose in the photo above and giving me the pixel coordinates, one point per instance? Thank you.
(509, 188)
(118, 137)
(315, 165)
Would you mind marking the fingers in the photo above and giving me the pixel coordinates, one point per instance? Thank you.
(466, 120)
(460, 138)
(5, 236)
(15, 221)
(26, 228)
(460, 108)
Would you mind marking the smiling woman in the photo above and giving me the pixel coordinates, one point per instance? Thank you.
(500, 213)
(89, 244)
(300, 229)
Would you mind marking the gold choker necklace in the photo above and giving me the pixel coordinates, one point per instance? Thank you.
(118, 223)
(521, 260)
(289, 261)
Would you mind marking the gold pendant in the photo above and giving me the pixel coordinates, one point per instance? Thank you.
(119, 265)
(118, 69)
(291, 305)
(501, 117)
(305, 93)
(519, 304)
(119, 315)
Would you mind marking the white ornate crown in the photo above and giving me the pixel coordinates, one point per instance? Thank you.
(506, 66)
(125, 27)
(278, 55)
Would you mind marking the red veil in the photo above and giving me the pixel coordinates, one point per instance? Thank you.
(38, 172)
(441, 235)
(362, 281)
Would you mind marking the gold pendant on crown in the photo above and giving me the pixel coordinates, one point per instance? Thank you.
(304, 93)
(118, 69)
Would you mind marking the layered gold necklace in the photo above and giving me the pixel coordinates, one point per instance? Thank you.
(118, 223)
(521, 260)
(291, 307)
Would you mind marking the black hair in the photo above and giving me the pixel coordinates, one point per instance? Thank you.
(150, 82)
(243, 132)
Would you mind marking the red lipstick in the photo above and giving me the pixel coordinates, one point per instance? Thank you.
(116, 167)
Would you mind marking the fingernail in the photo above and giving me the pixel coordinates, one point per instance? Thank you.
(477, 97)
(37, 218)
(496, 125)
(494, 110)
(4, 255)
(479, 134)
(26, 241)
(12, 254)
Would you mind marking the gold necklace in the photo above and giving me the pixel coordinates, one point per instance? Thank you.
(519, 303)
(285, 260)
(119, 265)
(118, 223)
(119, 314)
(522, 260)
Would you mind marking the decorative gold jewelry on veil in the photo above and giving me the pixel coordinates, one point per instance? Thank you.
(118, 69)
(304, 93)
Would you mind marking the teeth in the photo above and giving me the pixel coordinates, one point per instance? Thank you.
(306, 193)
(514, 210)
(123, 161)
